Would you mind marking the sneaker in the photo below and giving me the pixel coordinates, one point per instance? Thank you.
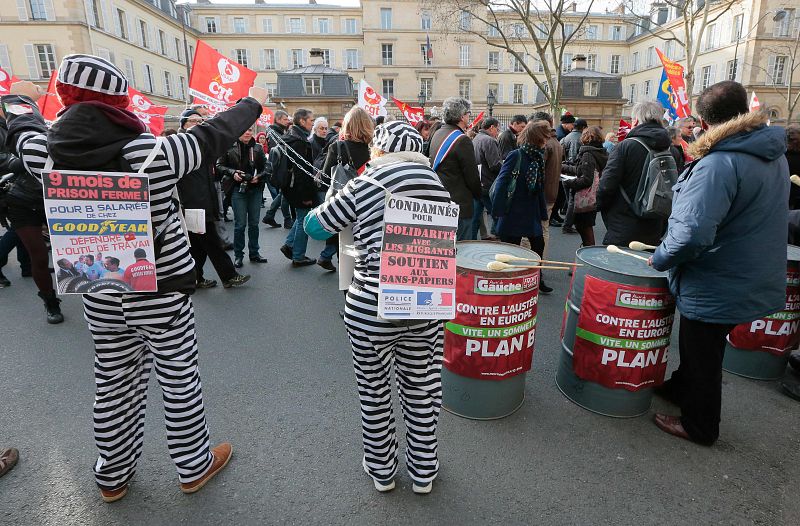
(422, 490)
(114, 494)
(327, 265)
(8, 459)
(52, 306)
(287, 223)
(4, 281)
(258, 258)
(381, 485)
(206, 284)
(286, 250)
(544, 289)
(222, 455)
(238, 263)
(556, 222)
(306, 261)
(271, 222)
(237, 281)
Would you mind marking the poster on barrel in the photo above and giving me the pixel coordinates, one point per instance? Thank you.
(493, 334)
(623, 334)
(100, 231)
(778, 334)
(418, 260)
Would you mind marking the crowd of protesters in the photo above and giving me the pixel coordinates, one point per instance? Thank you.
(563, 176)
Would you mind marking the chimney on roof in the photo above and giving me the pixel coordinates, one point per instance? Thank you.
(579, 62)
(573, 7)
(315, 57)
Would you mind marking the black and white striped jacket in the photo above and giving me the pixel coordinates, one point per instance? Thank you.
(180, 154)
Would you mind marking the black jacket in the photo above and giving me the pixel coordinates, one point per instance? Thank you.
(248, 158)
(508, 142)
(591, 157)
(793, 158)
(302, 193)
(359, 156)
(459, 170)
(318, 145)
(196, 190)
(9, 163)
(624, 169)
(277, 128)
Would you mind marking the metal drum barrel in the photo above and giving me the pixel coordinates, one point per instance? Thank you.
(616, 268)
(758, 350)
(476, 384)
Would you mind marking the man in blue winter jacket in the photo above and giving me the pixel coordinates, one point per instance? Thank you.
(725, 248)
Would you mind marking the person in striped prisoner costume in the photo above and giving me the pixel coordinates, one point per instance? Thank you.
(415, 351)
(131, 332)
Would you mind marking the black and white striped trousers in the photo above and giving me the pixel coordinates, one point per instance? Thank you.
(415, 353)
(131, 333)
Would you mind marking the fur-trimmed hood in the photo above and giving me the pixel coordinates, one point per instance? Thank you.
(747, 133)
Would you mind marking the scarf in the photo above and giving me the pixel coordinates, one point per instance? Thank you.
(535, 174)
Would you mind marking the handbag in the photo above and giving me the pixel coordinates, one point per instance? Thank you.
(342, 173)
(586, 199)
(501, 197)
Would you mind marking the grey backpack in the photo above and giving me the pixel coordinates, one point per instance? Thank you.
(653, 199)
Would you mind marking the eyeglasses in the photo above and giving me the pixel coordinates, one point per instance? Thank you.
(195, 121)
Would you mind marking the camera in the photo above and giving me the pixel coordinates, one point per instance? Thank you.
(246, 178)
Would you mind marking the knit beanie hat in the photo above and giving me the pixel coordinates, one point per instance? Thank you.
(186, 114)
(397, 136)
(83, 78)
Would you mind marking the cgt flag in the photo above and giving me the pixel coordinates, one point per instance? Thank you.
(49, 103)
(674, 72)
(411, 113)
(6, 81)
(371, 101)
(624, 130)
(666, 97)
(267, 117)
(216, 80)
(150, 114)
(755, 105)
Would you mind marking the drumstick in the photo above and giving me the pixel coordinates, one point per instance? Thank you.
(638, 245)
(614, 249)
(795, 179)
(508, 258)
(499, 265)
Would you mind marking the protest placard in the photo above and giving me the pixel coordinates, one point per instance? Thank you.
(418, 259)
(100, 231)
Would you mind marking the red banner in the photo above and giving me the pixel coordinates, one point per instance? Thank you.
(49, 103)
(150, 114)
(624, 130)
(411, 113)
(675, 75)
(493, 333)
(216, 80)
(477, 120)
(267, 117)
(6, 81)
(622, 338)
(778, 334)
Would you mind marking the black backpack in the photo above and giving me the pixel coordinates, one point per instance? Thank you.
(653, 198)
(278, 168)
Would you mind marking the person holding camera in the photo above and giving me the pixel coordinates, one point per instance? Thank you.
(243, 170)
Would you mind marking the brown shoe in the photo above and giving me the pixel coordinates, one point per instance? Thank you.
(672, 425)
(114, 494)
(8, 459)
(222, 455)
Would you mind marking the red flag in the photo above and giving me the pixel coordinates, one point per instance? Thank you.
(411, 113)
(150, 114)
(428, 48)
(216, 80)
(6, 81)
(624, 129)
(755, 105)
(267, 117)
(675, 75)
(477, 120)
(49, 103)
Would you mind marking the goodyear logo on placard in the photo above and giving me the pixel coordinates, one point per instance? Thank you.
(503, 286)
(97, 227)
(643, 300)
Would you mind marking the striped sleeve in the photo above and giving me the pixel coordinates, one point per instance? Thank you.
(339, 211)
(31, 148)
(183, 153)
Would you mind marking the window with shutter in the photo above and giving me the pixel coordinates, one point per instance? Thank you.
(22, 10)
(5, 61)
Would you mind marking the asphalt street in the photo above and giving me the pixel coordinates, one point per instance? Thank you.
(279, 384)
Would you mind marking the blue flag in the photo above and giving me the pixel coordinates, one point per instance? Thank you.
(666, 97)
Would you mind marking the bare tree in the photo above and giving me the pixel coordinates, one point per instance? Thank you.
(693, 18)
(521, 28)
(781, 76)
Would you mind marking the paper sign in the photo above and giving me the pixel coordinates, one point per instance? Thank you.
(195, 220)
(100, 231)
(418, 259)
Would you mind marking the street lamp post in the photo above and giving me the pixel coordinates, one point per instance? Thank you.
(490, 100)
(183, 13)
(777, 16)
(422, 99)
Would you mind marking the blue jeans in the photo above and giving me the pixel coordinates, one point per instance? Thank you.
(464, 231)
(277, 202)
(246, 211)
(297, 238)
(8, 242)
(330, 249)
(484, 203)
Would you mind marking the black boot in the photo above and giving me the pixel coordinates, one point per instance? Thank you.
(52, 306)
